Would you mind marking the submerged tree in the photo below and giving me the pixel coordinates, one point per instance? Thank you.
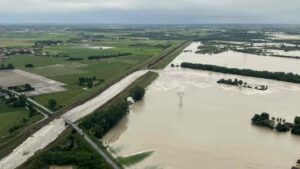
(137, 93)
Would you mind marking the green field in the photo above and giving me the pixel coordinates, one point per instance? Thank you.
(10, 117)
(144, 50)
(68, 72)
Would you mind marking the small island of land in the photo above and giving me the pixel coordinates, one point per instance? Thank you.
(241, 83)
(278, 124)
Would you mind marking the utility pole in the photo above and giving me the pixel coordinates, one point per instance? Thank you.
(180, 94)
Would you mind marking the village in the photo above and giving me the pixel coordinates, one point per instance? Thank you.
(6, 51)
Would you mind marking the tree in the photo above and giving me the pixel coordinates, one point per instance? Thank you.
(297, 120)
(281, 127)
(52, 103)
(90, 84)
(28, 87)
(262, 120)
(296, 130)
(10, 66)
(20, 101)
(32, 111)
(29, 65)
(137, 93)
(99, 132)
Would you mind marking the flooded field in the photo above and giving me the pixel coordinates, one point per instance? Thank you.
(240, 60)
(212, 128)
(97, 47)
(284, 36)
(285, 53)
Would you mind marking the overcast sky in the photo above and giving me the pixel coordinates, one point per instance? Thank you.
(150, 11)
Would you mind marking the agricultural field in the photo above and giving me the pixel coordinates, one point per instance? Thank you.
(72, 64)
(9, 117)
(13, 121)
(68, 61)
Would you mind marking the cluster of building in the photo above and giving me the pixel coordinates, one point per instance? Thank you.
(4, 51)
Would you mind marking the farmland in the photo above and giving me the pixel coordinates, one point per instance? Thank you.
(10, 118)
(77, 44)
(58, 74)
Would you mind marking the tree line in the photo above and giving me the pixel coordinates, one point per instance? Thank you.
(21, 88)
(241, 83)
(100, 122)
(47, 42)
(281, 76)
(104, 56)
(89, 81)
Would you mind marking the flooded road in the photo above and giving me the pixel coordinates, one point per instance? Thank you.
(212, 128)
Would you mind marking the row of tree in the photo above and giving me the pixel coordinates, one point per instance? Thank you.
(210, 49)
(281, 76)
(241, 83)
(101, 122)
(22, 88)
(104, 56)
(89, 81)
(47, 42)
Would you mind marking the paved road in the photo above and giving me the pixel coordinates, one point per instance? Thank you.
(50, 132)
(46, 110)
(94, 145)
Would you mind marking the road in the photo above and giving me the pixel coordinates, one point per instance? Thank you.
(94, 145)
(50, 132)
(32, 102)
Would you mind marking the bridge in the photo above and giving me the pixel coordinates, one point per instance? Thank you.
(34, 103)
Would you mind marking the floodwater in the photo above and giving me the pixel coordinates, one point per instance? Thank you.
(240, 60)
(284, 36)
(285, 53)
(212, 128)
(97, 47)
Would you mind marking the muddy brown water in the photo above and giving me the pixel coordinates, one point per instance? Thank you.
(212, 128)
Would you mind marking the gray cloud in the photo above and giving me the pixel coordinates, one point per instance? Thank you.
(151, 11)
